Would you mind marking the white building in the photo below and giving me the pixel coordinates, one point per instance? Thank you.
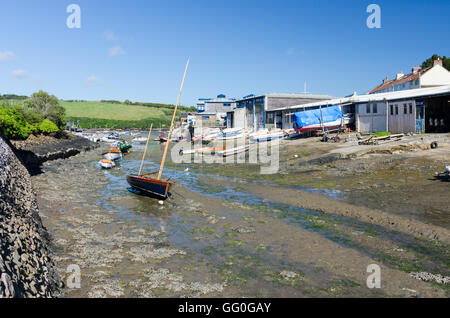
(433, 76)
(218, 106)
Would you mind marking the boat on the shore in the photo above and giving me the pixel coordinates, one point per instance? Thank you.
(155, 187)
(316, 119)
(139, 140)
(233, 151)
(207, 134)
(107, 164)
(267, 135)
(125, 147)
(208, 150)
(231, 133)
(112, 154)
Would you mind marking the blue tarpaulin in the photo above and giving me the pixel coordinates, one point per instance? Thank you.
(316, 116)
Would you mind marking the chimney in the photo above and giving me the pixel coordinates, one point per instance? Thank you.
(437, 62)
(416, 69)
(399, 76)
(386, 80)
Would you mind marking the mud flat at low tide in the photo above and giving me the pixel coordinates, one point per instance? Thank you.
(216, 238)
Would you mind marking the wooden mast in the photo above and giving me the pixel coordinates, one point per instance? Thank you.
(171, 124)
(145, 150)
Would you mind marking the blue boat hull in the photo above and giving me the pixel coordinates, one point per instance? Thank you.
(150, 187)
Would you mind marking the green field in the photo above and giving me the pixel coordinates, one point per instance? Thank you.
(113, 111)
(118, 115)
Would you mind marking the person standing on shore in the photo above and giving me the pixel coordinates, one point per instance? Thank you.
(191, 130)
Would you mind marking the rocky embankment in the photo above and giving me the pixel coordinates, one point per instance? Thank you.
(33, 151)
(26, 269)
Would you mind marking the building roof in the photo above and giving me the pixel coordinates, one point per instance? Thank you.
(389, 96)
(288, 95)
(404, 79)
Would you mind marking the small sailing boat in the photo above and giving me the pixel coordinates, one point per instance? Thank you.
(155, 187)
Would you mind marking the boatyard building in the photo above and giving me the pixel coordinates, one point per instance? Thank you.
(265, 111)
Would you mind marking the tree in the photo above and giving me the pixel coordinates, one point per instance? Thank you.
(430, 62)
(48, 106)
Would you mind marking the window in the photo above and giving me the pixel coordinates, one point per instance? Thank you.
(226, 104)
(396, 109)
(368, 109)
(405, 109)
(392, 109)
(205, 117)
(375, 108)
(410, 108)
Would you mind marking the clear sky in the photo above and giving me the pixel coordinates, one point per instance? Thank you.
(137, 49)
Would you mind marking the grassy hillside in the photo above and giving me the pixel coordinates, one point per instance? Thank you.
(113, 114)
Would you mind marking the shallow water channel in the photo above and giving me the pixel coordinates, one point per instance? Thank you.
(201, 242)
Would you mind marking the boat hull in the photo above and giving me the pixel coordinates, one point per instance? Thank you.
(113, 156)
(107, 164)
(233, 151)
(149, 186)
(139, 140)
(328, 125)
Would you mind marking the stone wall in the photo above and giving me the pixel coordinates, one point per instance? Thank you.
(26, 268)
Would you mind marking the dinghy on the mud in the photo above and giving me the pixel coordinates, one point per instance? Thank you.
(233, 151)
(267, 135)
(107, 164)
(208, 150)
(139, 140)
(112, 154)
(125, 147)
(230, 134)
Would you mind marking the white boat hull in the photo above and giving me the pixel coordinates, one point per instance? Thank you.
(139, 140)
(112, 156)
(107, 165)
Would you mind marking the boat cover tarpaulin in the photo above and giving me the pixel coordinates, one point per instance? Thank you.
(316, 117)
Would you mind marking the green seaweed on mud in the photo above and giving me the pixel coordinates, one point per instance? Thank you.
(261, 247)
(233, 243)
(205, 230)
(292, 282)
(445, 287)
(337, 287)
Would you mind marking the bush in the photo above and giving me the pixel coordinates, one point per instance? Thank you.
(48, 127)
(13, 125)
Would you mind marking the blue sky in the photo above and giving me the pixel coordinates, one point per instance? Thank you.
(137, 49)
